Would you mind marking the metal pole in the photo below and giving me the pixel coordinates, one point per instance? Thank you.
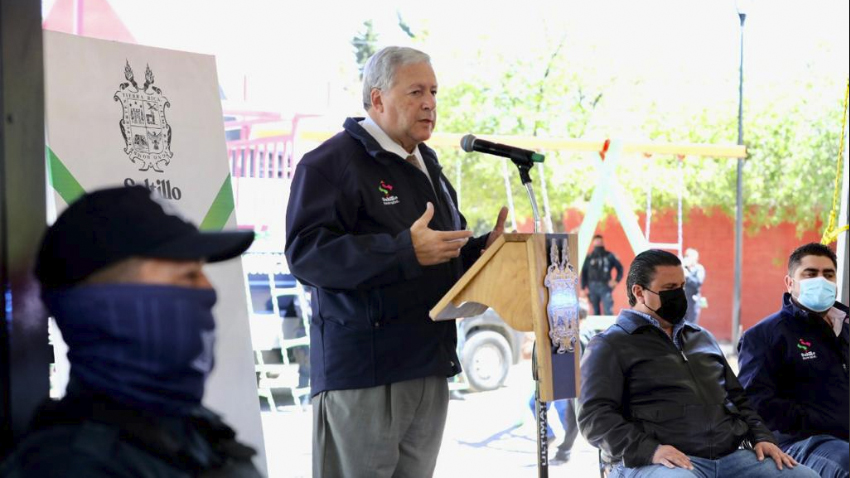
(739, 198)
(534, 211)
(24, 352)
(841, 248)
(540, 413)
(79, 17)
(509, 192)
(681, 194)
(539, 405)
(459, 182)
(550, 228)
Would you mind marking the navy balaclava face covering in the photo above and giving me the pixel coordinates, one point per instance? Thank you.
(146, 345)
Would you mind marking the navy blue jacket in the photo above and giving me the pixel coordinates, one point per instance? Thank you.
(795, 371)
(348, 221)
(88, 434)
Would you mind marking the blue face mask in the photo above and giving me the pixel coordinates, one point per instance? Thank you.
(817, 294)
(146, 345)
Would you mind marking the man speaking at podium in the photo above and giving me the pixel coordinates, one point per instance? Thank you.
(373, 226)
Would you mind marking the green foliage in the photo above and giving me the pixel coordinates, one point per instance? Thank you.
(791, 129)
(364, 45)
(534, 97)
(788, 177)
(791, 170)
(792, 146)
(404, 26)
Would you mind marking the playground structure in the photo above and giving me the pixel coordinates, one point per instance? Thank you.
(273, 156)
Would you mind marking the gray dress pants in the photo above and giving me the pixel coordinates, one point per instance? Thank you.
(391, 431)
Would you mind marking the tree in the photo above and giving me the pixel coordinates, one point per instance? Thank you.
(364, 44)
(792, 144)
(545, 97)
(791, 130)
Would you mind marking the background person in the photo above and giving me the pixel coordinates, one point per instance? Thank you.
(694, 278)
(596, 279)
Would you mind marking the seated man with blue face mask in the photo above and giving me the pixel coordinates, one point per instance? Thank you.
(794, 365)
(122, 275)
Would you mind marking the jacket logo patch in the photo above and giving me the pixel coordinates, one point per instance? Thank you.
(389, 199)
(806, 354)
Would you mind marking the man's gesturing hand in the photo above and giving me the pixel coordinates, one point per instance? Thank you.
(499, 228)
(435, 247)
(670, 457)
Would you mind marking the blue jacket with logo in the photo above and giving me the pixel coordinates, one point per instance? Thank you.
(794, 369)
(348, 221)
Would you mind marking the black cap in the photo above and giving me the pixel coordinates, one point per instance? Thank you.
(106, 226)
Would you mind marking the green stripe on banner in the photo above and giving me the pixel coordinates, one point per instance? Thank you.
(221, 209)
(61, 178)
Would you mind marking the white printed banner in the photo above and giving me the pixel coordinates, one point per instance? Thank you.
(126, 114)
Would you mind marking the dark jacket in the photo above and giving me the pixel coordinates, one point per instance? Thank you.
(348, 222)
(795, 371)
(639, 392)
(694, 278)
(92, 436)
(597, 268)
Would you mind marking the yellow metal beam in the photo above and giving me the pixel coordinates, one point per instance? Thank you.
(718, 151)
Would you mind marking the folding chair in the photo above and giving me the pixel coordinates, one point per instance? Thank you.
(604, 466)
(267, 329)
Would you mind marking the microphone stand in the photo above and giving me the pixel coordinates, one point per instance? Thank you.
(539, 405)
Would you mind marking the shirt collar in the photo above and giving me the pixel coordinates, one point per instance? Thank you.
(837, 317)
(676, 328)
(386, 142)
(649, 318)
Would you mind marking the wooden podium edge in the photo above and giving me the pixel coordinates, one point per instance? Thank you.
(469, 275)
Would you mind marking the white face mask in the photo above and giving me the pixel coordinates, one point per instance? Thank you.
(817, 294)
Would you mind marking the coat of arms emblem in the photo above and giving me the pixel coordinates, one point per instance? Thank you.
(147, 135)
(563, 309)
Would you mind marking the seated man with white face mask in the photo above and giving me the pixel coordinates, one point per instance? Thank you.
(794, 365)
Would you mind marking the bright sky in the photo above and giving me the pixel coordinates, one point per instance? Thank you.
(297, 55)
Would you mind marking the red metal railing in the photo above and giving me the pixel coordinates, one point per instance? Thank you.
(263, 157)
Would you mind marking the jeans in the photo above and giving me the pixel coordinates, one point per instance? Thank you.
(740, 464)
(692, 315)
(567, 412)
(827, 455)
(600, 298)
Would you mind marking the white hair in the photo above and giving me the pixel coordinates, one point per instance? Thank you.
(381, 68)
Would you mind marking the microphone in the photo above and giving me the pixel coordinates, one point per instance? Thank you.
(470, 143)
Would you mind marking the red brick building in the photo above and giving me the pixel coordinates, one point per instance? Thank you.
(765, 256)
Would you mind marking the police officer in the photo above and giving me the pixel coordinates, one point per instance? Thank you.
(596, 279)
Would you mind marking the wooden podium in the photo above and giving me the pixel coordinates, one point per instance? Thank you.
(509, 278)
